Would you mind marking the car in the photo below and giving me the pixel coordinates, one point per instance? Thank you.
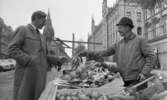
(7, 64)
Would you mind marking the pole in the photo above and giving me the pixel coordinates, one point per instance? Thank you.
(62, 41)
(96, 43)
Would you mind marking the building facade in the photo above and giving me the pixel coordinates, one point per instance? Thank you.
(106, 32)
(96, 36)
(156, 29)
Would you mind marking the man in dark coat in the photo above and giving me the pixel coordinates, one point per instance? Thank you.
(134, 56)
(28, 48)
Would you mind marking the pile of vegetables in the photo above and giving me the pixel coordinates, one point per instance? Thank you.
(90, 74)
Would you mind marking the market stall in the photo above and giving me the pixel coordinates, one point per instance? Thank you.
(95, 81)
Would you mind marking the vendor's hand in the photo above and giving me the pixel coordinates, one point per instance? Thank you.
(159, 73)
(131, 91)
(141, 77)
(75, 61)
(63, 59)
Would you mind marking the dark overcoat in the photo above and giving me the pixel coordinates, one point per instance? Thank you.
(28, 48)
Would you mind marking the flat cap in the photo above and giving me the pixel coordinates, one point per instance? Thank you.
(126, 21)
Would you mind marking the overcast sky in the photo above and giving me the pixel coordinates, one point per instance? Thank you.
(68, 16)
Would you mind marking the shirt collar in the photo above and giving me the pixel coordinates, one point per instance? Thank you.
(130, 37)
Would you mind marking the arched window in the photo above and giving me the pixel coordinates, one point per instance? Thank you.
(139, 16)
(139, 30)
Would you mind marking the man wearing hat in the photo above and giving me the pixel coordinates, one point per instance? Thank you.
(134, 56)
(28, 48)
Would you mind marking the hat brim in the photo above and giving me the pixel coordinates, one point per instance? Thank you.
(132, 26)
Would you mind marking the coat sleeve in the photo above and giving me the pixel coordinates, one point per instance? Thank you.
(149, 56)
(110, 51)
(15, 47)
(104, 53)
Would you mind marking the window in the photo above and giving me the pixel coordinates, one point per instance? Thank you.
(153, 32)
(148, 14)
(146, 34)
(157, 30)
(139, 30)
(110, 39)
(128, 14)
(139, 17)
(165, 26)
(150, 33)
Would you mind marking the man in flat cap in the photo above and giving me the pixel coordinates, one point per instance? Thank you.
(28, 48)
(134, 56)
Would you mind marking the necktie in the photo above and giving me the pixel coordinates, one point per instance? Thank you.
(41, 39)
(37, 31)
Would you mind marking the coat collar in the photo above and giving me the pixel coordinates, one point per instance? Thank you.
(31, 28)
(130, 37)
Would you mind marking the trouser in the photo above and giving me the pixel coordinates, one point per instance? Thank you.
(134, 82)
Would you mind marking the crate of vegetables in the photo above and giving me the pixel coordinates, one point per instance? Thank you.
(91, 74)
(82, 80)
(74, 92)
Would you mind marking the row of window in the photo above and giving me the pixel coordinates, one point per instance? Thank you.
(156, 10)
(138, 15)
(157, 31)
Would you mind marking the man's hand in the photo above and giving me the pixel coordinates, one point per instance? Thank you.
(61, 61)
(141, 77)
